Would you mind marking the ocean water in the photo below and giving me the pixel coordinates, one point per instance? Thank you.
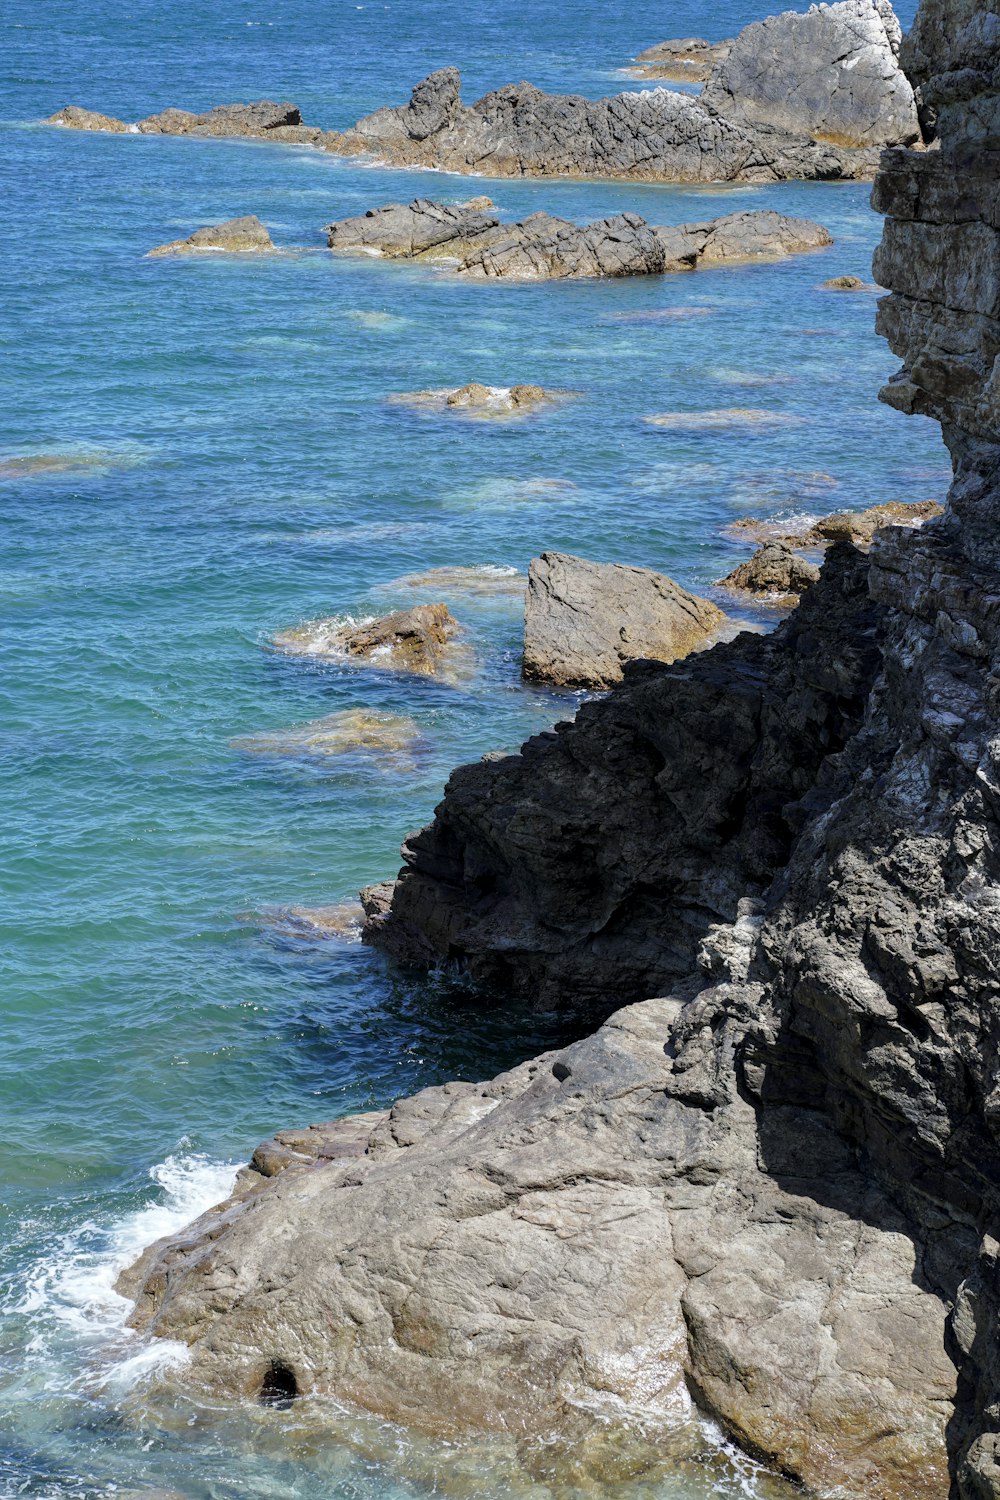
(195, 455)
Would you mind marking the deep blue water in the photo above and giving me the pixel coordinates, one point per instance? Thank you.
(235, 469)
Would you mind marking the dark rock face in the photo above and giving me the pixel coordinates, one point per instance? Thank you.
(654, 136)
(527, 882)
(584, 620)
(475, 242)
(831, 73)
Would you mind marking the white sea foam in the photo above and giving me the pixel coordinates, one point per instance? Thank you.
(70, 1291)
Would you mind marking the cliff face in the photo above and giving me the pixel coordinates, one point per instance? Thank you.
(777, 1185)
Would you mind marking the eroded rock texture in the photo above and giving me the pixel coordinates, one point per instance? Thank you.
(776, 1184)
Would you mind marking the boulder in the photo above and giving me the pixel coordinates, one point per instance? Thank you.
(419, 640)
(774, 572)
(234, 237)
(474, 242)
(688, 59)
(831, 73)
(846, 284)
(75, 118)
(584, 620)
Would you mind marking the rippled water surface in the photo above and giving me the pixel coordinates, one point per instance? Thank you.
(195, 455)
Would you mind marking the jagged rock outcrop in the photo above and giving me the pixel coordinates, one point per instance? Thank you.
(657, 135)
(779, 1181)
(584, 620)
(831, 73)
(476, 242)
(235, 237)
(774, 572)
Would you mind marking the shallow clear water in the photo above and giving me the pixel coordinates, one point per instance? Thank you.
(236, 471)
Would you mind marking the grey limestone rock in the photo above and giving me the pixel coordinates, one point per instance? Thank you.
(656, 135)
(475, 242)
(584, 620)
(831, 73)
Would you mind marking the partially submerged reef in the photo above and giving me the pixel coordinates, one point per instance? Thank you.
(770, 1181)
(794, 96)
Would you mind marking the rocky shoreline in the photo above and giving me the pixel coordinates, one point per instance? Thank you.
(769, 874)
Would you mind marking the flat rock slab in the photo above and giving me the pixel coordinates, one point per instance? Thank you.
(584, 620)
(475, 242)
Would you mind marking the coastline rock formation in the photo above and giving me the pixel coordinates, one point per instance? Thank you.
(774, 572)
(657, 135)
(777, 1183)
(584, 620)
(688, 59)
(793, 97)
(235, 237)
(476, 242)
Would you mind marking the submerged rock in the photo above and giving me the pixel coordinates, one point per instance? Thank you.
(486, 580)
(234, 237)
(688, 59)
(474, 242)
(483, 402)
(774, 572)
(584, 620)
(723, 419)
(420, 640)
(349, 731)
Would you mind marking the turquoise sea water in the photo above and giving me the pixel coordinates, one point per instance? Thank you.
(233, 469)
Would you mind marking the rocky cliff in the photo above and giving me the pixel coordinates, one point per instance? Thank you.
(771, 1187)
